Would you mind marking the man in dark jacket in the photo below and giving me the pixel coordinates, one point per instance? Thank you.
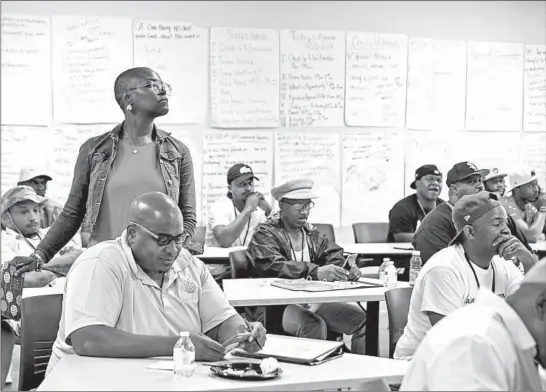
(286, 247)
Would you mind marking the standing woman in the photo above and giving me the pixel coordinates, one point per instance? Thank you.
(114, 168)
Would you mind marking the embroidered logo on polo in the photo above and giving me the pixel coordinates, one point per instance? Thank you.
(190, 293)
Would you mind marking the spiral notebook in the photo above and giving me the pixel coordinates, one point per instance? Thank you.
(296, 350)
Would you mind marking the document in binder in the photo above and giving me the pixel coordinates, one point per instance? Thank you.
(296, 350)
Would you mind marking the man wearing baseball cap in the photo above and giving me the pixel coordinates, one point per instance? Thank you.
(286, 247)
(233, 218)
(37, 178)
(437, 229)
(478, 256)
(494, 181)
(519, 203)
(491, 345)
(20, 214)
(407, 214)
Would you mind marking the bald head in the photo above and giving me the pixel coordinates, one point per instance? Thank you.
(157, 212)
(129, 79)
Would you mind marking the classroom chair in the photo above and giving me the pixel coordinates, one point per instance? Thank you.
(326, 229)
(39, 325)
(398, 302)
(367, 232)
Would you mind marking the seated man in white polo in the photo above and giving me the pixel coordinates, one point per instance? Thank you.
(519, 201)
(478, 256)
(234, 217)
(132, 296)
(285, 247)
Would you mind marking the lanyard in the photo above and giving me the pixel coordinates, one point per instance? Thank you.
(247, 226)
(422, 209)
(476, 276)
(292, 247)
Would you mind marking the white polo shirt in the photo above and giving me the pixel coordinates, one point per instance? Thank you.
(222, 212)
(446, 283)
(105, 286)
(481, 347)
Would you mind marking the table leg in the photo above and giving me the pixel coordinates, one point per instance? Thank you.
(372, 328)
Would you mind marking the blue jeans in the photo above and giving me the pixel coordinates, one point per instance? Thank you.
(315, 321)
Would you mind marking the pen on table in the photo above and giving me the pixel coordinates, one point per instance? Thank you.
(250, 330)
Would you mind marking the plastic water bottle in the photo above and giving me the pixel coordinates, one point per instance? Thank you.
(391, 275)
(415, 266)
(382, 270)
(184, 356)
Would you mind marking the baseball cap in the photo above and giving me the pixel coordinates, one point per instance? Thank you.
(299, 189)
(463, 170)
(239, 170)
(494, 173)
(518, 179)
(30, 172)
(18, 194)
(470, 208)
(424, 170)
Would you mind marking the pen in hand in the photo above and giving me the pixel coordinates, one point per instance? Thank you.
(249, 328)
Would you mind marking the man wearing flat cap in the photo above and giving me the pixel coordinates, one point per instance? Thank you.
(286, 247)
(37, 178)
(437, 229)
(518, 201)
(478, 256)
(407, 214)
(20, 214)
(494, 181)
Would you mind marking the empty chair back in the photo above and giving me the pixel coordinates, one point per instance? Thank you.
(239, 264)
(40, 317)
(398, 302)
(199, 235)
(367, 232)
(326, 229)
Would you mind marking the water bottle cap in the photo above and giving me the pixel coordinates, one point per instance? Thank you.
(184, 334)
(416, 253)
(386, 259)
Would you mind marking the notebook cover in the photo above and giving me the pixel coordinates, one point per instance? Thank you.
(11, 293)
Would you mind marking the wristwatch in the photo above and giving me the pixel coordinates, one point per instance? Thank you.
(39, 261)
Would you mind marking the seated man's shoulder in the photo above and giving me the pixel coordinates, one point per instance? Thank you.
(52, 204)
(107, 254)
(405, 202)
(444, 260)
(438, 217)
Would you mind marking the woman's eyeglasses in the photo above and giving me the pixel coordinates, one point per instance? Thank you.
(164, 239)
(157, 87)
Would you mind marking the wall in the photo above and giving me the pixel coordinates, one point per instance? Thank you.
(504, 21)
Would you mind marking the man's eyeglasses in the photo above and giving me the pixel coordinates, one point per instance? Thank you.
(473, 180)
(158, 87)
(301, 206)
(164, 239)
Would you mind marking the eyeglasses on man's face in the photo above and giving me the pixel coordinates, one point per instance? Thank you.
(301, 206)
(164, 239)
(159, 87)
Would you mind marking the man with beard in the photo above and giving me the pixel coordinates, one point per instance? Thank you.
(286, 247)
(233, 218)
(524, 192)
(37, 178)
(437, 229)
(407, 214)
(494, 182)
(478, 256)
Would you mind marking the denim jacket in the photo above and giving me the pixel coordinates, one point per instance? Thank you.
(92, 168)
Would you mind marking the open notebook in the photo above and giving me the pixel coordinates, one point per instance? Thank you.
(296, 350)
